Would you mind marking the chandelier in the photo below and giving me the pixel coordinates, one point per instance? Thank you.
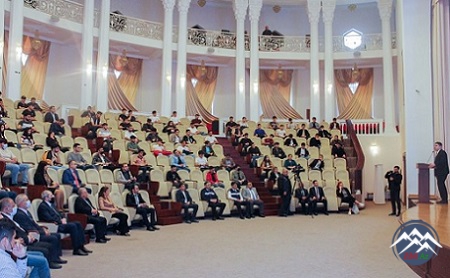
(276, 9)
(36, 43)
(203, 68)
(280, 72)
(123, 60)
(355, 72)
(201, 3)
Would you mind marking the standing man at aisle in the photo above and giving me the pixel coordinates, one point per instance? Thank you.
(395, 180)
(285, 190)
(441, 171)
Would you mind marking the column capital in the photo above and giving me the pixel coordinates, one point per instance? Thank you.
(328, 7)
(314, 7)
(168, 5)
(254, 9)
(385, 9)
(183, 6)
(240, 9)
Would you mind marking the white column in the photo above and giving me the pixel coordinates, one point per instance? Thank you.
(13, 90)
(103, 57)
(87, 49)
(183, 7)
(385, 10)
(2, 39)
(314, 7)
(166, 70)
(328, 7)
(254, 13)
(240, 11)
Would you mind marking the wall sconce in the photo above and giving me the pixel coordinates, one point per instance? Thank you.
(374, 149)
(255, 87)
(36, 43)
(18, 52)
(203, 68)
(183, 81)
(241, 86)
(330, 88)
(316, 88)
(280, 72)
(276, 9)
(89, 68)
(105, 71)
(123, 60)
(201, 3)
(168, 77)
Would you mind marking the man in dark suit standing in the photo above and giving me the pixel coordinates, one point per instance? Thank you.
(441, 171)
(47, 213)
(84, 206)
(135, 200)
(285, 190)
(184, 198)
(395, 179)
(316, 195)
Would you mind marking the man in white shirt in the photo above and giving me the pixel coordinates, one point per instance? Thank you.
(154, 117)
(12, 164)
(9, 246)
(128, 133)
(201, 161)
(174, 118)
(235, 195)
(281, 132)
(193, 129)
(211, 138)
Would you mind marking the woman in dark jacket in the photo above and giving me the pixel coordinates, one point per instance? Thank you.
(346, 196)
(41, 177)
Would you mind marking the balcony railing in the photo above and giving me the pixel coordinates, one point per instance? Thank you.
(208, 38)
(135, 27)
(60, 8)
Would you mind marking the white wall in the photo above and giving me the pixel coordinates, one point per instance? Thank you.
(149, 94)
(225, 97)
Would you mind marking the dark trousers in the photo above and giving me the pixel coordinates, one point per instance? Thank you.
(304, 202)
(54, 240)
(395, 200)
(187, 216)
(99, 226)
(76, 232)
(214, 206)
(442, 189)
(45, 248)
(144, 212)
(258, 203)
(314, 205)
(122, 227)
(239, 208)
(286, 201)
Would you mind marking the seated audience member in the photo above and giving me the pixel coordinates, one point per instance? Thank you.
(274, 175)
(27, 140)
(41, 177)
(201, 161)
(280, 132)
(239, 177)
(334, 124)
(184, 198)
(336, 140)
(175, 137)
(302, 195)
(197, 121)
(243, 123)
(317, 164)
(211, 138)
(89, 112)
(290, 163)
(291, 124)
(251, 195)
(53, 158)
(135, 200)
(24, 218)
(314, 123)
(173, 177)
(29, 111)
(302, 151)
(132, 145)
(316, 195)
(324, 133)
(125, 177)
(126, 125)
(193, 129)
(303, 132)
(129, 132)
(277, 151)
(11, 248)
(123, 116)
(254, 153)
(274, 123)
(52, 142)
(3, 111)
(160, 149)
(148, 126)
(245, 143)
(227, 163)
(338, 151)
(266, 166)
(177, 160)
(213, 178)
(84, 206)
(131, 117)
(208, 150)
(290, 141)
(35, 105)
(78, 158)
(236, 134)
(22, 103)
(13, 165)
(71, 177)
(183, 148)
(229, 126)
(174, 118)
(169, 128)
(26, 123)
(346, 197)
(153, 137)
(315, 141)
(6, 193)
(208, 195)
(154, 117)
(57, 127)
(188, 138)
(105, 203)
(234, 194)
(94, 124)
(101, 161)
(51, 116)
(268, 141)
(259, 132)
(144, 167)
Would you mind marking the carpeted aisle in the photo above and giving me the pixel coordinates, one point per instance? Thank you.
(298, 246)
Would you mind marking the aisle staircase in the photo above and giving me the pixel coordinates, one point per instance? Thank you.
(271, 203)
